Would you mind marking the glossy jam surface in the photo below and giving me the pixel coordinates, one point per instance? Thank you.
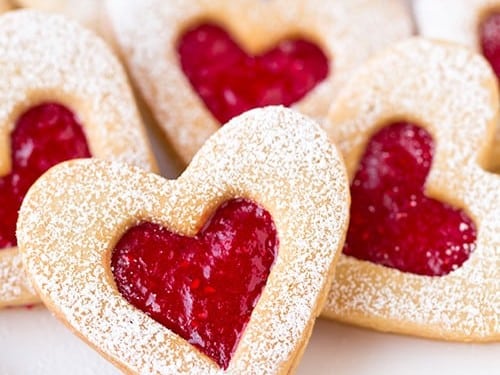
(230, 82)
(392, 222)
(489, 34)
(43, 136)
(203, 288)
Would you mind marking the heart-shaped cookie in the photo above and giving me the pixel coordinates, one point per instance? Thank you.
(4, 6)
(449, 97)
(63, 95)
(198, 61)
(89, 13)
(268, 172)
(473, 23)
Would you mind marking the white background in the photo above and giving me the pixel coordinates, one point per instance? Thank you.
(32, 342)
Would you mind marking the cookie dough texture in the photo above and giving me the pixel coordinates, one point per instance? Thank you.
(146, 33)
(452, 93)
(46, 58)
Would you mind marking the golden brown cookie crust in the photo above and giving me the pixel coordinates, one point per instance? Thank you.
(452, 93)
(146, 32)
(458, 21)
(4, 6)
(273, 156)
(57, 60)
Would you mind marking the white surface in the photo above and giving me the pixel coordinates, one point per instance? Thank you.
(33, 342)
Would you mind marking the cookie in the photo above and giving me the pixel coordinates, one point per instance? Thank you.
(415, 127)
(4, 6)
(199, 63)
(89, 13)
(250, 232)
(63, 95)
(473, 23)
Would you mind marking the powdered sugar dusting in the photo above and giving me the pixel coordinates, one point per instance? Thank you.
(84, 11)
(147, 33)
(14, 286)
(452, 94)
(46, 58)
(89, 13)
(273, 156)
(457, 21)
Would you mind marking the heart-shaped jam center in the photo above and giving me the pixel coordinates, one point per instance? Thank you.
(392, 222)
(43, 136)
(203, 288)
(489, 35)
(230, 82)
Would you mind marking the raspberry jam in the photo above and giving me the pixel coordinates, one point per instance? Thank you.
(489, 34)
(45, 135)
(230, 82)
(203, 288)
(392, 222)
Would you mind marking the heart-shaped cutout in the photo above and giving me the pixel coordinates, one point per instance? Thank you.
(92, 105)
(474, 24)
(451, 94)
(345, 33)
(274, 157)
(44, 136)
(392, 221)
(230, 82)
(203, 288)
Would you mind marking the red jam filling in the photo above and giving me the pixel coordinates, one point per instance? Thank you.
(489, 34)
(45, 135)
(230, 82)
(203, 288)
(392, 222)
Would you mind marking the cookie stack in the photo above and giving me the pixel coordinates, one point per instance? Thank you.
(334, 166)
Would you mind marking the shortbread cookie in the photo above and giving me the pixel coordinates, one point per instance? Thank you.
(245, 240)
(474, 23)
(4, 6)
(198, 63)
(63, 95)
(415, 127)
(89, 13)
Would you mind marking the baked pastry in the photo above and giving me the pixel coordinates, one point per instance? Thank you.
(474, 23)
(89, 13)
(198, 63)
(415, 127)
(266, 200)
(63, 95)
(4, 6)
